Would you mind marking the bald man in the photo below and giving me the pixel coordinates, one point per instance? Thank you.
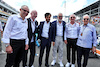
(58, 27)
(32, 29)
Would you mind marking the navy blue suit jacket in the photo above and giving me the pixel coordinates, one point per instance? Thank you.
(30, 34)
(54, 29)
(40, 29)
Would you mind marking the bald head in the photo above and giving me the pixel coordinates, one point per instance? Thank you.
(33, 14)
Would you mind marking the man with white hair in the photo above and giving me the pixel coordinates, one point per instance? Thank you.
(58, 27)
(87, 39)
(71, 35)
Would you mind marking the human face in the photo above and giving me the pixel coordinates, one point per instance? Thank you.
(33, 15)
(85, 20)
(48, 18)
(72, 18)
(24, 11)
(60, 16)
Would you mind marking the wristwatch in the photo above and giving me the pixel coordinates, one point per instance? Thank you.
(7, 45)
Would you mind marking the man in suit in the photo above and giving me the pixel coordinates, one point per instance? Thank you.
(58, 27)
(45, 37)
(32, 29)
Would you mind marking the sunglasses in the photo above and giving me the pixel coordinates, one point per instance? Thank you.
(25, 10)
(60, 16)
(72, 17)
(86, 18)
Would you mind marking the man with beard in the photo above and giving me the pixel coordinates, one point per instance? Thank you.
(45, 37)
(58, 27)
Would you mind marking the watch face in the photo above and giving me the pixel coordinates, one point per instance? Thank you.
(7, 45)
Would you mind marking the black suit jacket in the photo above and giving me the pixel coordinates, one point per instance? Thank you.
(54, 29)
(40, 29)
(30, 34)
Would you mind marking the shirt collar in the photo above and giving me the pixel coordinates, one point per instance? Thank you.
(32, 20)
(47, 23)
(86, 25)
(58, 22)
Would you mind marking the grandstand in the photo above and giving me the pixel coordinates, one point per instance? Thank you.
(5, 11)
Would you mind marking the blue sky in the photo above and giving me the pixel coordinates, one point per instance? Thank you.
(52, 6)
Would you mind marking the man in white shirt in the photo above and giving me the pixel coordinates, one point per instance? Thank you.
(15, 37)
(32, 30)
(45, 37)
(58, 28)
(71, 35)
(87, 39)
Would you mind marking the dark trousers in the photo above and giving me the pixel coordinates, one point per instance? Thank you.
(44, 43)
(71, 43)
(85, 52)
(32, 55)
(15, 58)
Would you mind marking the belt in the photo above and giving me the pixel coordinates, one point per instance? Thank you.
(72, 38)
(45, 37)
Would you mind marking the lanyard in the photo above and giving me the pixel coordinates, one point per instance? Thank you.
(83, 30)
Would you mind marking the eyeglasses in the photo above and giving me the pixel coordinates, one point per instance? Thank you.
(60, 16)
(86, 18)
(25, 10)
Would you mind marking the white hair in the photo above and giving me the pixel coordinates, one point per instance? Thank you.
(86, 15)
(73, 15)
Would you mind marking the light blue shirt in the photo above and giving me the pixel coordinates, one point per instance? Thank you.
(88, 36)
(59, 29)
(45, 29)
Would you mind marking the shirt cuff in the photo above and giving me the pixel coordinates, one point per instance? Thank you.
(95, 45)
(6, 40)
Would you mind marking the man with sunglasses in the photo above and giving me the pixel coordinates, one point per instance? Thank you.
(32, 30)
(71, 35)
(15, 37)
(87, 37)
(58, 27)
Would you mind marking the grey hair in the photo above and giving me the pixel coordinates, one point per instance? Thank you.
(73, 15)
(86, 15)
(23, 6)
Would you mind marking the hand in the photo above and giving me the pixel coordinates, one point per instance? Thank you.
(65, 41)
(26, 47)
(94, 49)
(53, 43)
(9, 49)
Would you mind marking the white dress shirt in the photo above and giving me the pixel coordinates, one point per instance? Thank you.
(45, 29)
(1, 26)
(71, 31)
(59, 29)
(16, 28)
(88, 36)
(33, 29)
